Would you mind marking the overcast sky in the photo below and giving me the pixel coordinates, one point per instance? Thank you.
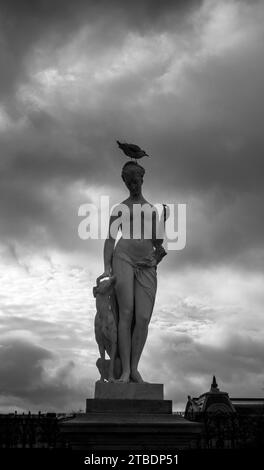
(183, 79)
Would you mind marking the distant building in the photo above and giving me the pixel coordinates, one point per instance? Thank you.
(213, 401)
(228, 422)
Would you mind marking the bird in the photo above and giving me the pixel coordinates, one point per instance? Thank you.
(132, 150)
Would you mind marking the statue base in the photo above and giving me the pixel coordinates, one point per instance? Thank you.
(128, 391)
(130, 417)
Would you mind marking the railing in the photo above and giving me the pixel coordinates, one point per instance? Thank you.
(30, 431)
(221, 431)
(231, 431)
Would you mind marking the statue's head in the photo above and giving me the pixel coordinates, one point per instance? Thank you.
(132, 175)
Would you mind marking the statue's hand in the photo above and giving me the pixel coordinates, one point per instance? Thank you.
(106, 273)
(160, 252)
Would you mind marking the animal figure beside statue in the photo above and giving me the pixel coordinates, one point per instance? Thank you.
(105, 325)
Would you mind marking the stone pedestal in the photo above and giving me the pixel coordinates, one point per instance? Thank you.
(130, 417)
(129, 391)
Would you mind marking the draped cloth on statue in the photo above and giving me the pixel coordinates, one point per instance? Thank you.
(134, 266)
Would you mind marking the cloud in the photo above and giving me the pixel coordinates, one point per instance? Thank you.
(203, 323)
(27, 380)
(26, 26)
(186, 366)
(182, 79)
(188, 91)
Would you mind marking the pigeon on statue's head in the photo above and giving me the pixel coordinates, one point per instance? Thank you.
(132, 150)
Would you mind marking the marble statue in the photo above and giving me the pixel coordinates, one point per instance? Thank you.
(125, 301)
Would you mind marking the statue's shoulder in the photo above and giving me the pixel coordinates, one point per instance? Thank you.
(127, 202)
(147, 203)
(117, 210)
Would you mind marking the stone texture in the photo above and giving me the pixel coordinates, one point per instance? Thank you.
(129, 406)
(128, 391)
(129, 418)
(131, 432)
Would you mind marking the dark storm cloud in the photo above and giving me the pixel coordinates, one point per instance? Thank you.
(25, 24)
(191, 364)
(223, 144)
(228, 230)
(206, 139)
(24, 377)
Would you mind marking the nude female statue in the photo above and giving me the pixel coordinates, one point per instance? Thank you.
(134, 264)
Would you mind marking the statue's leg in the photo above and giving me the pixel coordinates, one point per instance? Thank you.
(145, 292)
(112, 362)
(102, 363)
(124, 289)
